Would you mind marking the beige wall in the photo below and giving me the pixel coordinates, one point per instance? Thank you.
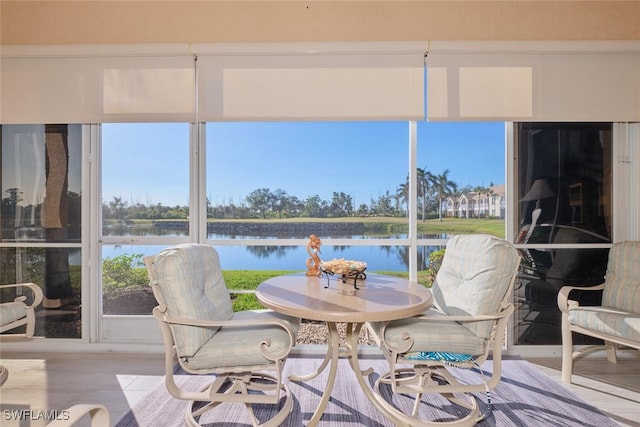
(142, 21)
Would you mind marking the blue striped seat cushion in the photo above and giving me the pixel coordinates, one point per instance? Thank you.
(438, 356)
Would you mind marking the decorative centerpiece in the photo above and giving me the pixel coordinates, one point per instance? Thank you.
(313, 249)
(349, 270)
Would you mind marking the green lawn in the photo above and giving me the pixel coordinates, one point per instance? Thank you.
(494, 227)
(394, 224)
(248, 280)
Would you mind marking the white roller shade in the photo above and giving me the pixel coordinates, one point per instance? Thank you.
(513, 81)
(81, 86)
(347, 81)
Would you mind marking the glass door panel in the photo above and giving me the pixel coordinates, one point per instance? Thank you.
(40, 220)
(564, 198)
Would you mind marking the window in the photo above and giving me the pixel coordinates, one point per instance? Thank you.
(461, 168)
(347, 182)
(145, 207)
(460, 175)
(564, 198)
(232, 172)
(272, 185)
(40, 216)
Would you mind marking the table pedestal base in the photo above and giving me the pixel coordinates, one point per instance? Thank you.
(350, 351)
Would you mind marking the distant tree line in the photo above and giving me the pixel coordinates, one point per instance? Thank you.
(264, 203)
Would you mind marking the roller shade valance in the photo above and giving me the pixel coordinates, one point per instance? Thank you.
(383, 81)
(89, 88)
(506, 81)
(260, 81)
(551, 85)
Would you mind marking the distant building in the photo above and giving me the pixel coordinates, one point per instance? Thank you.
(477, 205)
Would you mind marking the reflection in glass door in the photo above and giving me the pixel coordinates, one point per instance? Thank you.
(40, 217)
(564, 198)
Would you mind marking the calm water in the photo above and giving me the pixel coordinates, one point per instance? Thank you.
(389, 258)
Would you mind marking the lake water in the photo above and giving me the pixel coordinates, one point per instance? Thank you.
(386, 258)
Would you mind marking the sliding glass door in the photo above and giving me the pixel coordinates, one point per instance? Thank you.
(564, 212)
(41, 220)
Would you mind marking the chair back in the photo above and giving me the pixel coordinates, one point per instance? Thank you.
(476, 276)
(189, 282)
(622, 281)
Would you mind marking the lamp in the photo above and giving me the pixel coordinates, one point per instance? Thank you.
(539, 190)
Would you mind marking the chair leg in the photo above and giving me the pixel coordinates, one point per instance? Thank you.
(567, 349)
(611, 352)
(31, 323)
(242, 385)
(410, 381)
(4, 374)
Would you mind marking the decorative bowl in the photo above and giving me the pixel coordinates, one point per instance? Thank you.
(343, 266)
(350, 270)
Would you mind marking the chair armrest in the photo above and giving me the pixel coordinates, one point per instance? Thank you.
(564, 303)
(232, 323)
(37, 292)
(505, 311)
(462, 318)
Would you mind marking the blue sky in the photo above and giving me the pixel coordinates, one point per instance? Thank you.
(361, 159)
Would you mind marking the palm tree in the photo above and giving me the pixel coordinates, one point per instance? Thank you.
(402, 193)
(424, 180)
(443, 187)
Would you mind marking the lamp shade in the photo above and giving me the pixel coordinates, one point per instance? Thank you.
(539, 190)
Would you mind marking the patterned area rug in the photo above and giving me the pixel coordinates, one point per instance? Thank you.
(525, 397)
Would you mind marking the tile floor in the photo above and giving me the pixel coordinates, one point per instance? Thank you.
(59, 380)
